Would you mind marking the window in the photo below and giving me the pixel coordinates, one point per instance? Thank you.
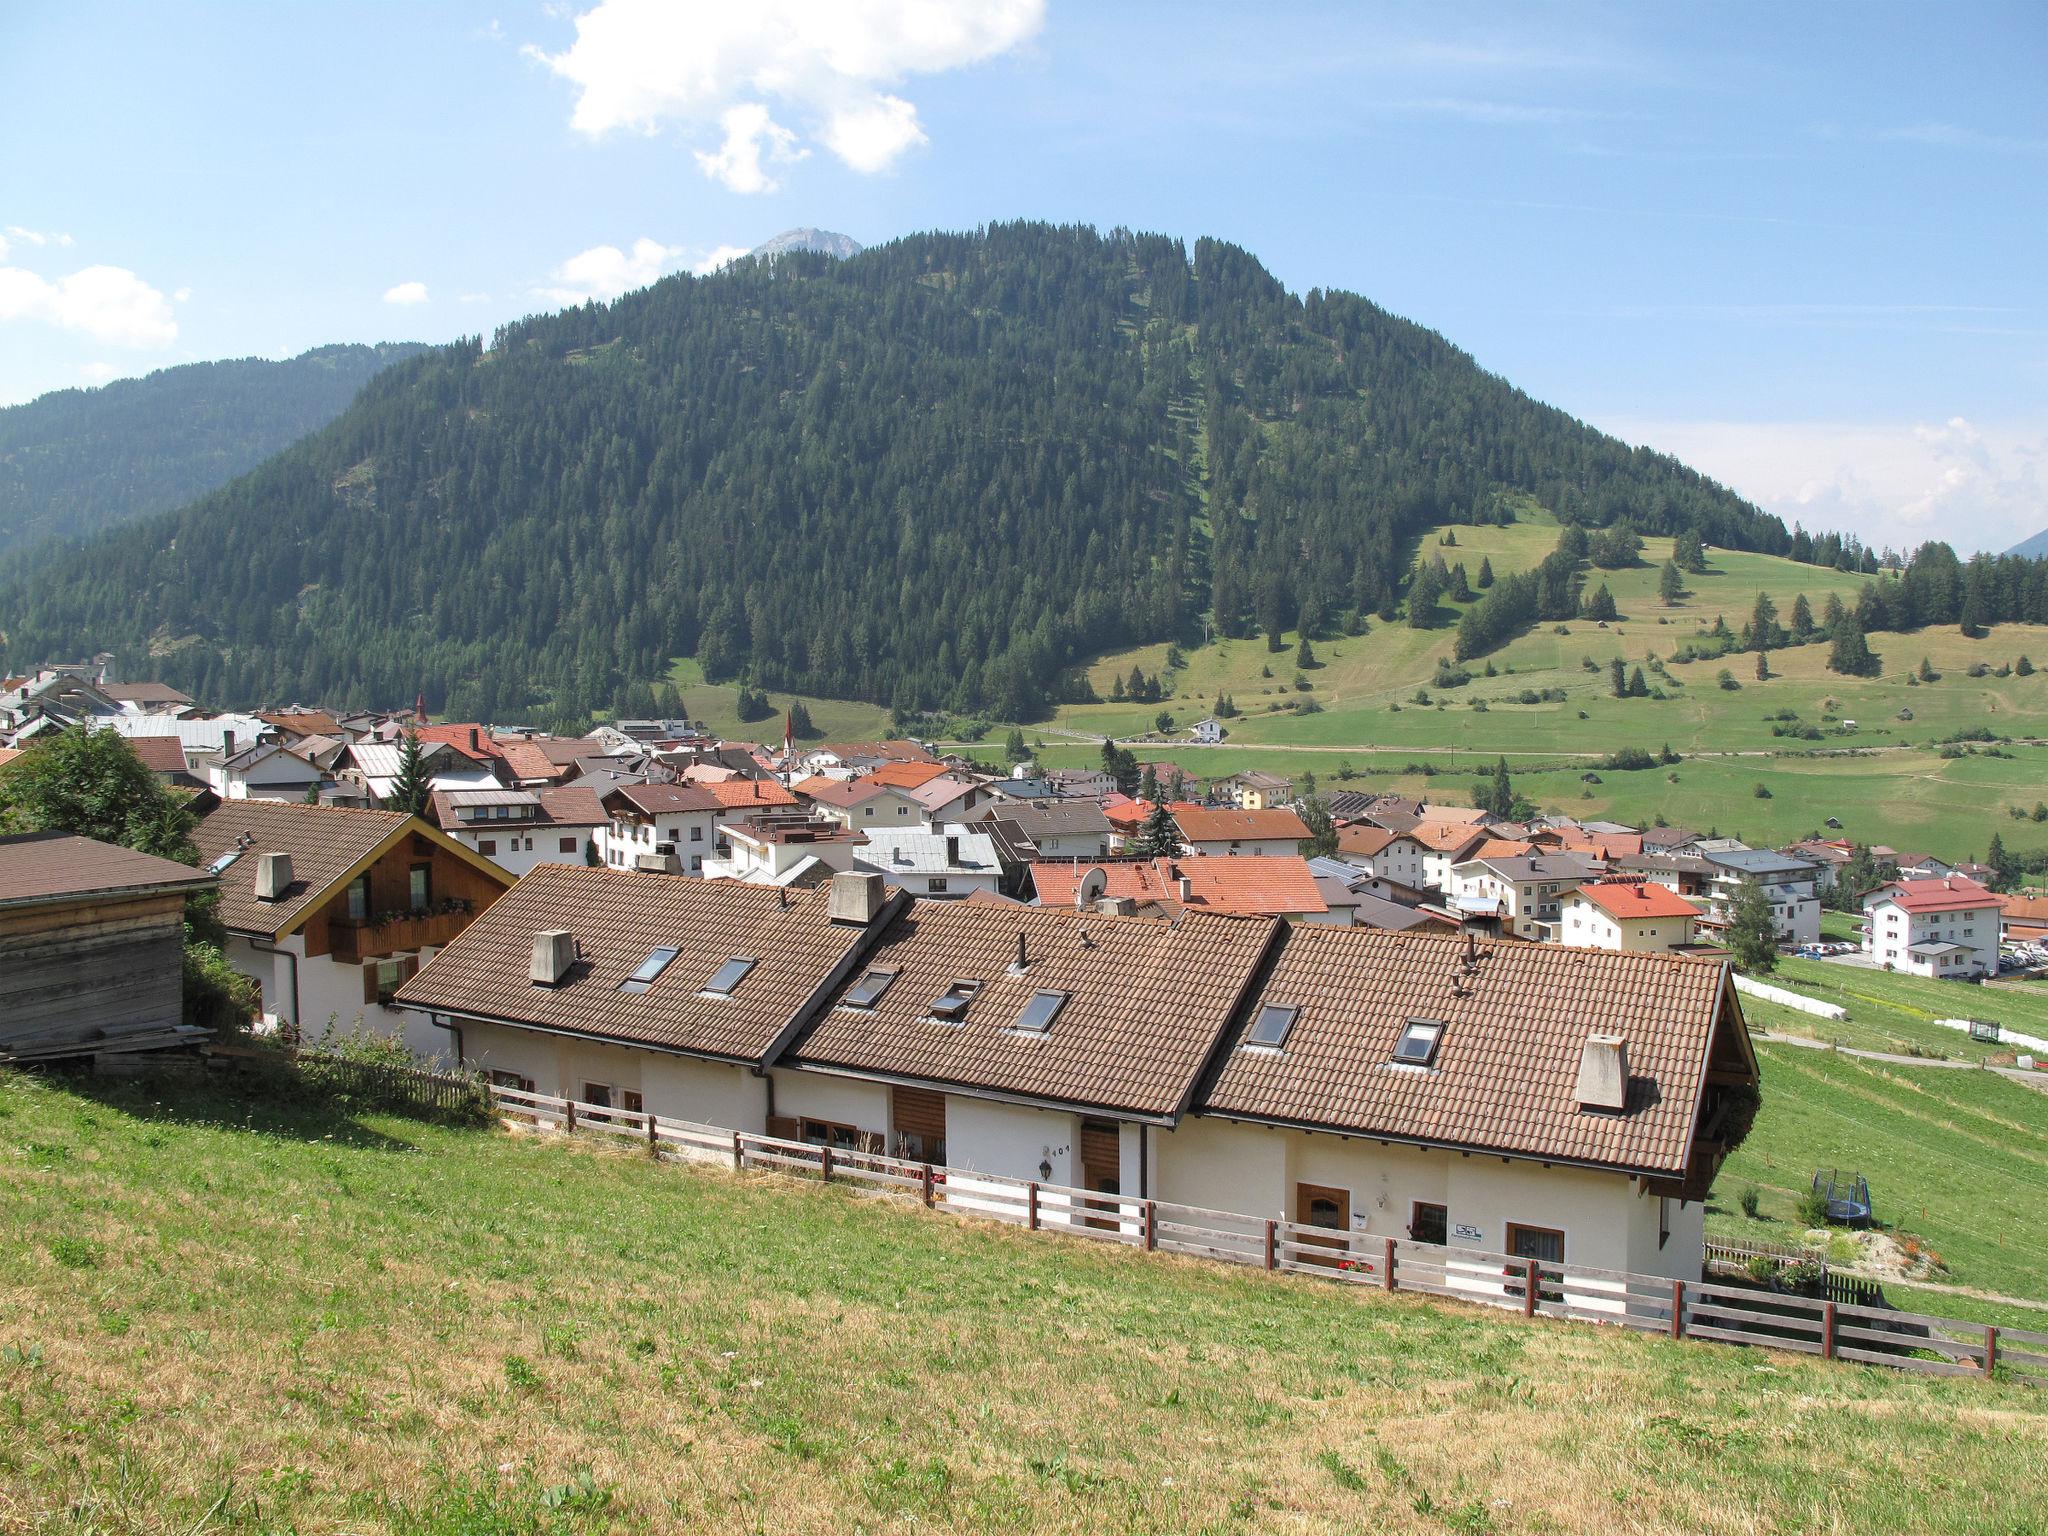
(631, 1102)
(1271, 1027)
(1663, 1220)
(567, 845)
(598, 1094)
(383, 978)
(1418, 1042)
(1545, 1244)
(1039, 1013)
(643, 977)
(503, 1079)
(868, 991)
(951, 1004)
(487, 846)
(697, 832)
(1429, 1223)
(359, 899)
(729, 975)
(936, 883)
(421, 886)
(830, 1133)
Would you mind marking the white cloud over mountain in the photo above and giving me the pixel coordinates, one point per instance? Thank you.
(825, 65)
(109, 304)
(603, 272)
(406, 294)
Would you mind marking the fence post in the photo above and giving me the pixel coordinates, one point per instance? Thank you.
(1678, 1309)
(1529, 1293)
(928, 1186)
(1151, 1225)
(739, 1156)
(569, 1125)
(1387, 1280)
(1990, 1349)
(1272, 1243)
(653, 1139)
(1030, 1205)
(825, 1163)
(1827, 1332)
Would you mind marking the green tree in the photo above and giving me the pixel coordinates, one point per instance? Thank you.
(1670, 583)
(1850, 654)
(1321, 841)
(1014, 748)
(1802, 617)
(1638, 686)
(1423, 592)
(1763, 623)
(2005, 868)
(1600, 605)
(1158, 838)
(1763, 666)
(1305, 655)
(414, 786)
(1485, 573)
(1752, 932)
(1617, 678)
(1498, 796)
(1688, 552)
(1148, 784)
(1163, 721)
(800, 725)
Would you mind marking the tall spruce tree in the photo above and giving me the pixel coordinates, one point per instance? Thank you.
(1752, 931)
(413, 787)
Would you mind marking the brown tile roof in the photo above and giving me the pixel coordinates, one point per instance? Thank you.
(1269, 887)
(1501, 848)
(530, 760)
(937, 794)
(1365, 840)
(8, 755)
(1446, 836)
(146, 693)
(618, 917)
(665, 799)
(1466, 815)
(566, 805)
(159, 754)
(893, 751)
(1506, 1072)
(472, 741)
(1637, 898)
(1217, 826)
(844, 793)
(748, 794)
(907, 775)
(1146, 1003)
(308, 722)
(53, 867)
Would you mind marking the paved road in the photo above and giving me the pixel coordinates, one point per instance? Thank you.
(2036, 1080)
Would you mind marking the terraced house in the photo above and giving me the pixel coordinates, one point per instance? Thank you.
(1549, 1102)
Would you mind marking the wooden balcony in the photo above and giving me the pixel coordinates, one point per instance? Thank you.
(354, 943)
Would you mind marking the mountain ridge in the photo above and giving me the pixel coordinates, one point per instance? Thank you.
(821, 242)
(2035, 548)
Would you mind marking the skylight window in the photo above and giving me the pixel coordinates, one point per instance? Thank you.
(224, 861)
(868, 991)
(1271, 1027)
(1039, 1013)
(651, 967)
(730, 975)
(1418, 1042)
(951, 1004)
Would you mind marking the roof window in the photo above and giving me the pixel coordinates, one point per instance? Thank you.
(950, 1006)
(868, 991)
(1039, 1013)
(1418, 1042)
(730, 975)
(651, 967)
(1270, 1029)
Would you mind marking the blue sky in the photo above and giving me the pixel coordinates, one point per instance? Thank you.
(1805, 248)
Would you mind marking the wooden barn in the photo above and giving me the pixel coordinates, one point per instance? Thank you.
(91, 948)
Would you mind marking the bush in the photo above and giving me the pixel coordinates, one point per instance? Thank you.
(1762, 792)
(1627, 760)
(1750, 1200)
(1813, 1209)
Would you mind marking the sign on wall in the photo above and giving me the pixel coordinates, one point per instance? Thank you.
(1467, 1234)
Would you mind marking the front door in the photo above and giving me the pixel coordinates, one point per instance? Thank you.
(1101, 1167)
(1327, 1210)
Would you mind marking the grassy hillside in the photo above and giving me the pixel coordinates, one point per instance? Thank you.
(1958, 1159)
(215, 1317)
(1897, 1013)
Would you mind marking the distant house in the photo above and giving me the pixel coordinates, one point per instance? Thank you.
(92, 948)
(1253, 790)
(948, 798)
(1392, 856)
(1939, 927)
(1523, 892)
(265, 771)
(1275, 832)
(517, 829)
(1790, 882)
(329, 910)
(1827, 855)
(861, 804)
(148, 698)
(1444, 845)
(1268, 887)
(1638, 916)
(1080, 783)
(1052, 829)
(783, 848)
(1208, 732)
(373, 767)
(664, 829)
(945, 864)
(164, 756)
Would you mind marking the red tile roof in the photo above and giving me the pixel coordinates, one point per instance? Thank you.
(1446, 836)
(1500, 848)
(1365, 840)
(1222, 826)
(530, 760)
(907, 775)
(159, 754)
(1260, 887)
(748, 794)
(1637, 898)
(472, 741)
(1957, 893)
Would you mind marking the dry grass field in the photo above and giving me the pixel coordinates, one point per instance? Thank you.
(219, 1318)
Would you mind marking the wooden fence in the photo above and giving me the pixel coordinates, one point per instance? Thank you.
(383, 1085)
(1679, 1309)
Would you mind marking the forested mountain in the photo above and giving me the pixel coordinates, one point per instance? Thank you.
(79, 460)
(2035, 548)
(938, 473)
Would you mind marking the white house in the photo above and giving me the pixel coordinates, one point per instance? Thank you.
(1524, 891)
(517, 829)
(1267, 833)
(945, 864)
(1392, 856)
(665, 828)
(1208, 733)
(374, 767)
(1947, 927)
(1052, 829)
(1790, 882)
(265, 771)
(1639, 916)
(782, 848)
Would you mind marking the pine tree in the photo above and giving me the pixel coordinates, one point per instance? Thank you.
(1423, 592)
(1670, 584)
(414, 785)
(1763, 623)
(1148, 785)
(1617, 677)
(2004, 867)
(1159, 838)
(1802, 616)
(1973, 619)
(800, 725)
(1688, 552)
(1600, 605)
(1638, 687)
(1850, 654)
(1831, 613)
(2023, 667)
(1485, 573)
(1305, 655)
(1763, 666)
(1752, 932)
(1014, 748)
(1500, 797)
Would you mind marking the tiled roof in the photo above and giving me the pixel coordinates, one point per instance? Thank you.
(144, 693)
(472, 741)
(8, 755)
(617, 917)
(305, 722)
(1957, 893)
(942, 791)
(1220, 826)
(748, 794)
(159, 754)
(894, 751)
(1055, 818)
(1146, 1002)
(844, 793)
(1506, 1070)
(1501, 848)
(1627, 899)
(325, 843)
(1364, 840)
(39, 867)
(666, 799)
(568, 805)
(1446, 836)
(1456, 815)
(1273, 887)
(907, 775)
(530, 760)
(1540, 866)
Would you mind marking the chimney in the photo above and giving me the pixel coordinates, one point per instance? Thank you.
(475, 741)
(273, 876)
(1116, 906)
(952, 849)
(856, 898)
(1023, 960)
(1603, 1073)
(1187, 888)
(554, 951)
(227, 745)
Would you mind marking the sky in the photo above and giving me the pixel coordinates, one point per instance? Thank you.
(1804, 248)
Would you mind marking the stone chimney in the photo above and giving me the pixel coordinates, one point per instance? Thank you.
(1603, 1073)
(554, 951)
(856, 897)
(1116, 906)
(273, 876)
(952, 849)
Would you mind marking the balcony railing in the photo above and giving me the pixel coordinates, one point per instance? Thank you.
(355, 942)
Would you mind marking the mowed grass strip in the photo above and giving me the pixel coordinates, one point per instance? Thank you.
(215, 1317)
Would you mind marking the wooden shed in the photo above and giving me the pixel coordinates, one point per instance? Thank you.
(91, 948)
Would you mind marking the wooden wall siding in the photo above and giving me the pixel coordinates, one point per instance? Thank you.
(920, 1112)
(391, 888)
(88, 971)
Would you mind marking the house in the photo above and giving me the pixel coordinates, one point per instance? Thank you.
(92, 946)
(1444, 845)
(164, 756)
(668, 829)
(859, 803)
(517, 829)
(906, 775)
(265, 771)
(2023, 919)
(1637, 916)
(1272, 887)
(783, 848)
(1395, 856)
(742, 798)
(948, 798)
(1080, 783)
(292, 725)
(1054, 829)
(1827, 855)
(1252, 790)
(1686, 873)
(148, 698)
(1922, 866)
(1554, 1104)
(1276, 832)
(1523, 892)
(373, 767)
(534, 761)
(1788, 881)
(1208, 733)
(328, 910)
(945, 864)
(1939, 927)
(849, 759)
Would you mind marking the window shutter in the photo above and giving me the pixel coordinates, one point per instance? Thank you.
(370, 981)
(784, 1127)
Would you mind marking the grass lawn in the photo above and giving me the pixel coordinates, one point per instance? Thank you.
(717, 705)
(1889, 1012)
(1956, 1158)
(217, 1318)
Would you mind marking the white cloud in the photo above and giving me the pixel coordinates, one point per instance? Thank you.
(110, 304)
(639, 65)
(750, 136)
(182, 295)
(605, 271)
(1973, 485)
(717, 257)
(406, 294)
(35, 237)
(473, 298)
(98, 373)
